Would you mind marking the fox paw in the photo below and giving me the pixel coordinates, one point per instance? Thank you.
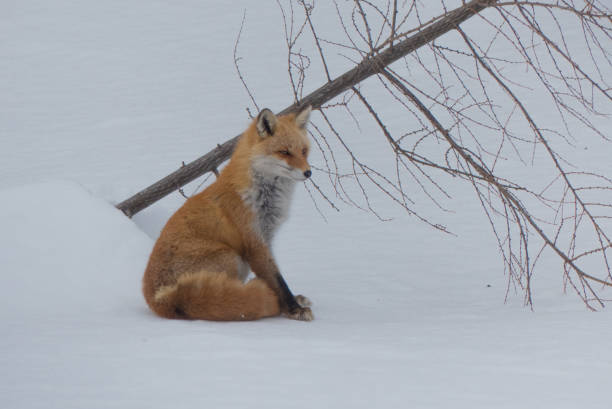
(303, 301)
(301, 314)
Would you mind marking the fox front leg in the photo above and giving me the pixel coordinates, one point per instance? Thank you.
(294, 307)
(264, 267)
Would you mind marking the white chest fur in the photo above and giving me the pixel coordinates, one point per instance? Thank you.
(269, 197)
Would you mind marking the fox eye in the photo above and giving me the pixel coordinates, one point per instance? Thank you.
(304, 151)
(285, 152)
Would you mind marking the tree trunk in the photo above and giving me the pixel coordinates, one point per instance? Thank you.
(369, 66)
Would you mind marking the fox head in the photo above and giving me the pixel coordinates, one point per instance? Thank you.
(282, 147)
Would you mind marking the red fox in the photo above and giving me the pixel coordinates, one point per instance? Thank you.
(199, 264)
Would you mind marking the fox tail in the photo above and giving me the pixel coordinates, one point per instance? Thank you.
(216, 297)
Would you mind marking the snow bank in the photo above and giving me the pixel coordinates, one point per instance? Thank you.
(76, 332)
(66, 252)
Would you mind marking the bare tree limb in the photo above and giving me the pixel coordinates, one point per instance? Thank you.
(369, 66)
(491, 104)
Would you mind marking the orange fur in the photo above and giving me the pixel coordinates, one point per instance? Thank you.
(217, 297)
(198, 263)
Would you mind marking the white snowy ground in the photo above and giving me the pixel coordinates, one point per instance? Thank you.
(99, 99)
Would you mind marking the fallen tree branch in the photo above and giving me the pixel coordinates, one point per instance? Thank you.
(371, 64)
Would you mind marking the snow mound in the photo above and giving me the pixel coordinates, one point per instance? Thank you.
(65, 250)
(76, 332)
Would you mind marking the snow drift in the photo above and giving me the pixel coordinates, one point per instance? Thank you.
(76, 332)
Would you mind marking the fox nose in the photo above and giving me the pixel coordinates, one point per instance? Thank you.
(307, 173)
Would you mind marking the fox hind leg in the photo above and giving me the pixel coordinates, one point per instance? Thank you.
(212, 288)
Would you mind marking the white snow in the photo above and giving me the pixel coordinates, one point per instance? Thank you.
(98, 100)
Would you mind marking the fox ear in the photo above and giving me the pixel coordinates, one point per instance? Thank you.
(266, 123)
(302, 117)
